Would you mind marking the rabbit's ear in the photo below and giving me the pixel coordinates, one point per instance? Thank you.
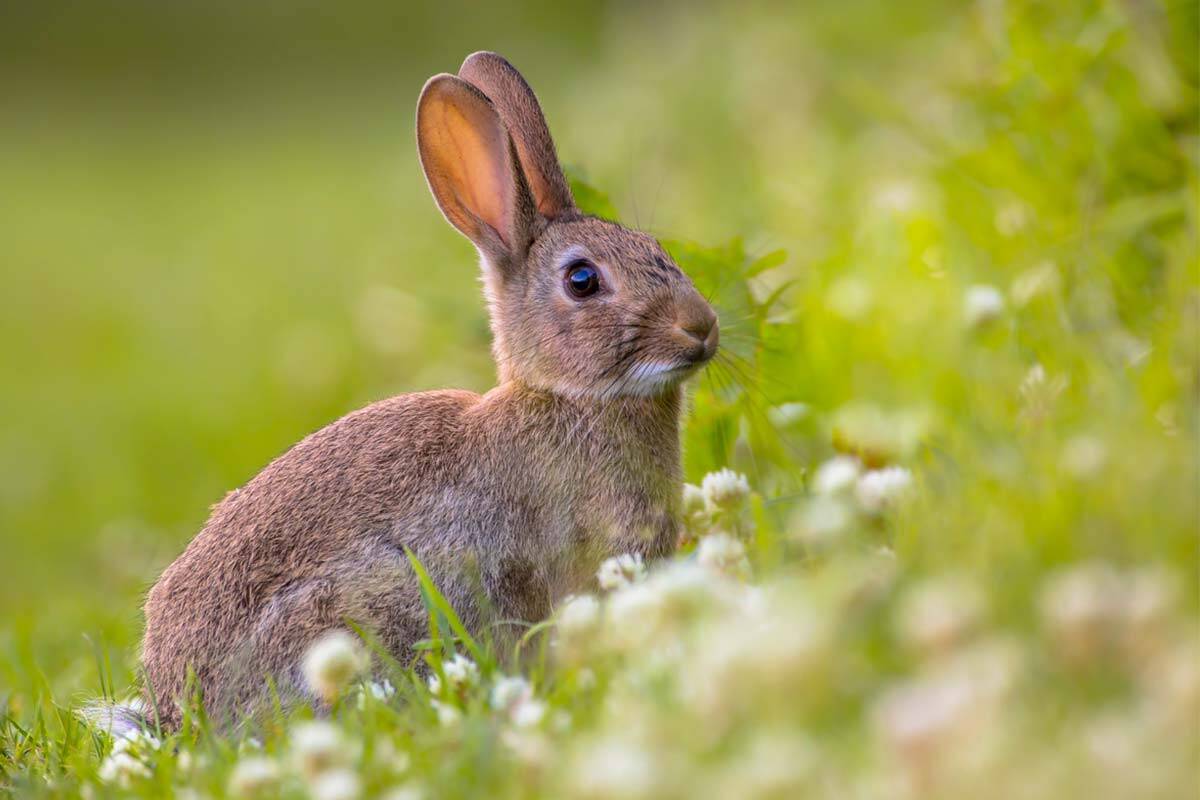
(472, 168)
(519, 109)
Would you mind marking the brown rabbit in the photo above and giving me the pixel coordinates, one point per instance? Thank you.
(510, 499)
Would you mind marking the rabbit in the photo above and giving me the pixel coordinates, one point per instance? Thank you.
(511, 499)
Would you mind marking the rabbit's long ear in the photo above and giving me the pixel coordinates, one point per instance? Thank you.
(519, 109)
(472, 168)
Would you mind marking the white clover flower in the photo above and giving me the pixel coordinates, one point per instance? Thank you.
(1150, 599)
(336, 784)
(822, 521)
(139, 742)
(725, 490)
(186, 762)
(122, 769)
(332, 663)
(528, 713)
(896, 195)
(1171, 680)
(579, 615)
(632, 615)
(685, 589)
(615, 767)
(318, 747)
(1147, 607)
(407, 792)
(510, 691)
(774, 764)
(648, 614)
(376, 691)
(620, 571)
(693, 499)
(390, 758)
(939, 613)
(990, 667)
(1083, 456)
(1080, 607)
(955, 707)
(748, 658)
(460, 672)
(880, 489)
(982, 305)
(724, 555)
(447, 714)
(836, 475)
(919, 718)
(254, 776)
(530, 748)
(1119, 747)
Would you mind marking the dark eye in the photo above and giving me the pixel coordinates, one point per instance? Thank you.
(582, 279)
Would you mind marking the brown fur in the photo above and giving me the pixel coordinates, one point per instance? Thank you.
(511, 499)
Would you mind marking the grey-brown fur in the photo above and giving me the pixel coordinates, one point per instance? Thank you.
(512, 498)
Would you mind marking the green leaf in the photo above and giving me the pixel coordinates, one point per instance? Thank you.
(769, 261)
(434, 599)
(591, 200)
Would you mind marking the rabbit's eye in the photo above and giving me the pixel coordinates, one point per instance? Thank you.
(582, 279)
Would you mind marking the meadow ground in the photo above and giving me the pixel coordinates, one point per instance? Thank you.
(954, 247)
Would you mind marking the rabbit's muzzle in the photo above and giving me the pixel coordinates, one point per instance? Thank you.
(696, 328)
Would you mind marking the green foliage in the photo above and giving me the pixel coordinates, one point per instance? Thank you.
(960, 372)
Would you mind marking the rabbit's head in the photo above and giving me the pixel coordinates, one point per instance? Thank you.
(579, 305)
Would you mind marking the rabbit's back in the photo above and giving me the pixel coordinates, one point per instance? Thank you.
(305, 544)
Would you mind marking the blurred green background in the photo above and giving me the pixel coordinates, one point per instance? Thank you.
(215, 238)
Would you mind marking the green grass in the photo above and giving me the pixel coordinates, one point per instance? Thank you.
(200, 270)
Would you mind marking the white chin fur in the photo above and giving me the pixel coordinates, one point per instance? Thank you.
(652, 377)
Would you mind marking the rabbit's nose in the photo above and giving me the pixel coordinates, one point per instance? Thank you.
(699, 328)
(699, 323)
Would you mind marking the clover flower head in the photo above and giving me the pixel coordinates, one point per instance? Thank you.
(880, 489)
(376, 691)
(578, 615)
(693, 499)
(939, 613)
(508, 691)
(1080, 607)
(336, 784)
(823, 520)
(318, 747)
(724, 555)
(981, 305)
(615, 768)
(122, 768)
(332, 663)
(460, 671)
(620, 571)
(390, 758)
(725, 490)
(254, 776)
(448, 715)
(836, 475)
(406, 792)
